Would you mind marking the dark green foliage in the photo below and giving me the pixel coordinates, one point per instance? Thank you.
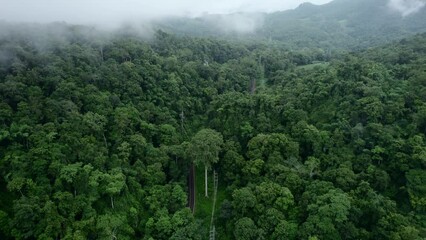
(97, 135)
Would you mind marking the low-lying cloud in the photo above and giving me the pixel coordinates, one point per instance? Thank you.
(117, 12)
(407, 7)
(237, 22)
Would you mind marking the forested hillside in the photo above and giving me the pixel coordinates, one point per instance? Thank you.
(338, 25)
(98, 136)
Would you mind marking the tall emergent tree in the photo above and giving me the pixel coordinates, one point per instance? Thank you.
(204, 148)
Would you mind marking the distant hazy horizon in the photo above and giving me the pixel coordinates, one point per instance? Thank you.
(114, 13)
(118, 11)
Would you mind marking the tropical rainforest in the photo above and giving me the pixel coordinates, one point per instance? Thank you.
(106, 137)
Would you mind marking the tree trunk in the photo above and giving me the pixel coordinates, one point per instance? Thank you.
(205, 179)
(105, 141)
(112, 202)
(253, 86)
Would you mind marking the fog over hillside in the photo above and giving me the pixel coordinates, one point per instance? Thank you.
(114, 12)
(338, 24)
(407, 7)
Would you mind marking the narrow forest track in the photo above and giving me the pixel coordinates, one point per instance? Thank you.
(191, 187)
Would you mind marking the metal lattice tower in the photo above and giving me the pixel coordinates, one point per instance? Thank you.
(212, 227)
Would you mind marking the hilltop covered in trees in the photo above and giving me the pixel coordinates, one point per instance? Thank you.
(335, 26)
(97, 138)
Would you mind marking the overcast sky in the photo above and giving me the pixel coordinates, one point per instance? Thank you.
(110, 11)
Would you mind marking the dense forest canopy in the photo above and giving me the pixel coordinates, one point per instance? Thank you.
(101, 133)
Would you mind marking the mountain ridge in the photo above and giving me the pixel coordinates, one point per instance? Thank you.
(340, 24)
